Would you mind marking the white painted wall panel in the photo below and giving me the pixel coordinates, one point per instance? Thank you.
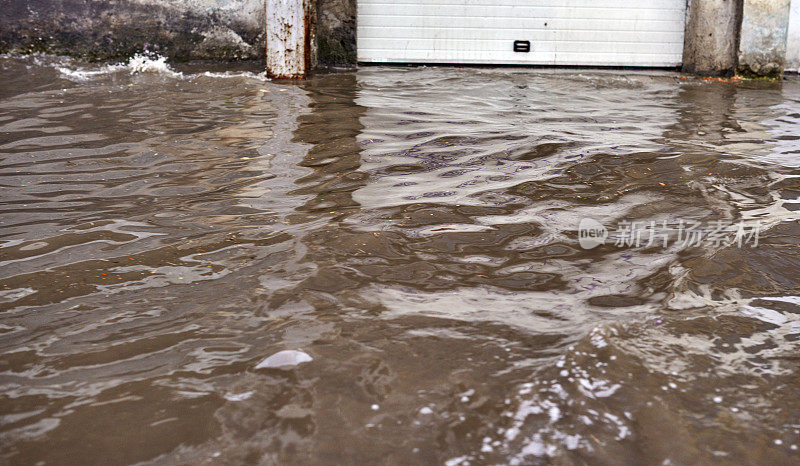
(566, 32)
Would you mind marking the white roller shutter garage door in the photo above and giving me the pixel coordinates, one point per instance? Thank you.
(568, 32)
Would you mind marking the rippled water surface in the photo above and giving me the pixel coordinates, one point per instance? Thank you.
(414, 232)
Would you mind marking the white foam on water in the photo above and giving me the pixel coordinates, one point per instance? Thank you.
(457, 461)
(239, 396)
(147, 64)
(236, 74)
(143, 64)
(85, 75)
(137, 64)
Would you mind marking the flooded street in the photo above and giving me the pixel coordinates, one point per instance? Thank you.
(414, 233)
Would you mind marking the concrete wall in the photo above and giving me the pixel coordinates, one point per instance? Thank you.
(715, 42)
(101, 29)
(762, 45)
(178, 29)
(334, 32)
(711, 37)
(793, 38)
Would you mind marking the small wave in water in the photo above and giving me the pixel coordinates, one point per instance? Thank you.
(144, 63)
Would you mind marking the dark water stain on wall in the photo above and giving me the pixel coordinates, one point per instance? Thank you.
(207, 29)
(97, 29)
(335, 33)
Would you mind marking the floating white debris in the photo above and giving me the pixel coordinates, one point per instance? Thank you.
(284, 358)
(425, 410)
(717, 399)
(375, 407)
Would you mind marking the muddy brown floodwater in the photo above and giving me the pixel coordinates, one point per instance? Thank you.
(413, 231)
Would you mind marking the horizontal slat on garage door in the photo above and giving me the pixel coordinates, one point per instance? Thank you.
(571, 32)
(565, 3)
(528, 11)
(492, 24)
(395, 33)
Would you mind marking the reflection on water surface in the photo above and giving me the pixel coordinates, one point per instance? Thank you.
(414, 232)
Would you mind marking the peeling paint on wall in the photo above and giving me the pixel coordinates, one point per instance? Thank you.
(288, 38)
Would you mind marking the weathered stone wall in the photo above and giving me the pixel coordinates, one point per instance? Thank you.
(711, 37)
(178, 29)
(334, 33)
(762, 47)
(102, 29)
